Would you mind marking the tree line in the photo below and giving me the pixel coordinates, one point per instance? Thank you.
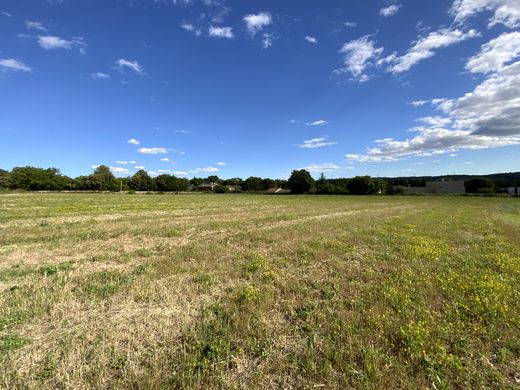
(101, 179)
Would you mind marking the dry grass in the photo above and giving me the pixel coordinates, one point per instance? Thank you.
(238, 291)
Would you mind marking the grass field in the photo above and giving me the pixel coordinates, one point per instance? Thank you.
(245, 291)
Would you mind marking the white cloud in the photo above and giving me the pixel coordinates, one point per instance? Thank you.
(506, 12)
(350, 24)
(132, 162)
(292, 121)
(267, 40)
(222, 164)
(221, 32)
(139, 167)
(390, 10)
(7, 14)
(122, 162)
(494, 54)
(99, 76)
(435, 121)
(35, 26)
(51, 42)
(152, 150)
(164, 171)
(311, 39)
(359, 54)
(487, 117)
(133, 141)
(318, 168)
(119, 170)
(12, 65)
(320, 122)
(191, 28)
(419, 103)
(166, 159)
(123, 63)
(425, 48)
(205, 170)
(180, 173)
(183, 131)
(319, 142)
(255, 23)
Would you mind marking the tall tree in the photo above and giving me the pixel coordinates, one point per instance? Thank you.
(141, 181)
(361, 185)
(300, 181)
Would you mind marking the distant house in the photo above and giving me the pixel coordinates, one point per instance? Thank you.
(442, 187)
(206, 187)
(278, 191)
(514, 191)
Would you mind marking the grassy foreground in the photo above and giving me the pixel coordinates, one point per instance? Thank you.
(239, 291)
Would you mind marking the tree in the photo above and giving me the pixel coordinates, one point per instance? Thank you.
(4, 179)
(268, 183)
(38, 179)
(480, 186)
(196, 181)
(102, 179)
(300, 181)
(220, 189)
(171, 183)
(214, 179)
(141, 181)
(253, 184)
(361, 185)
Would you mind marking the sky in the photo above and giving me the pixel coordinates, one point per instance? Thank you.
(259, 88)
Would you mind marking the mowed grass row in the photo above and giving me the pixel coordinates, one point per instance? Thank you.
(239, 291)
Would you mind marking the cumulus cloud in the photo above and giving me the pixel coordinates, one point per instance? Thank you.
(358, 55)
(165, 159)
(494, 54)
(123, 63)
(122, 162)
(180, 173)
(506, 12)
(133, 141)
(319, 142)
(139, 167)
(425, 48)
(487, 117)
(222, 164)
(221, 32)
(35, 26)
(154, 150)
(390, 10)
(318, 168)
(99, 76)
(311, 39)
(13, 65)
(256, 22)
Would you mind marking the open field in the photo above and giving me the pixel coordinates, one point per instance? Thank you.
(240, 291)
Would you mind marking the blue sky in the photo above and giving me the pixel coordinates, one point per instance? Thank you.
(241, 88)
